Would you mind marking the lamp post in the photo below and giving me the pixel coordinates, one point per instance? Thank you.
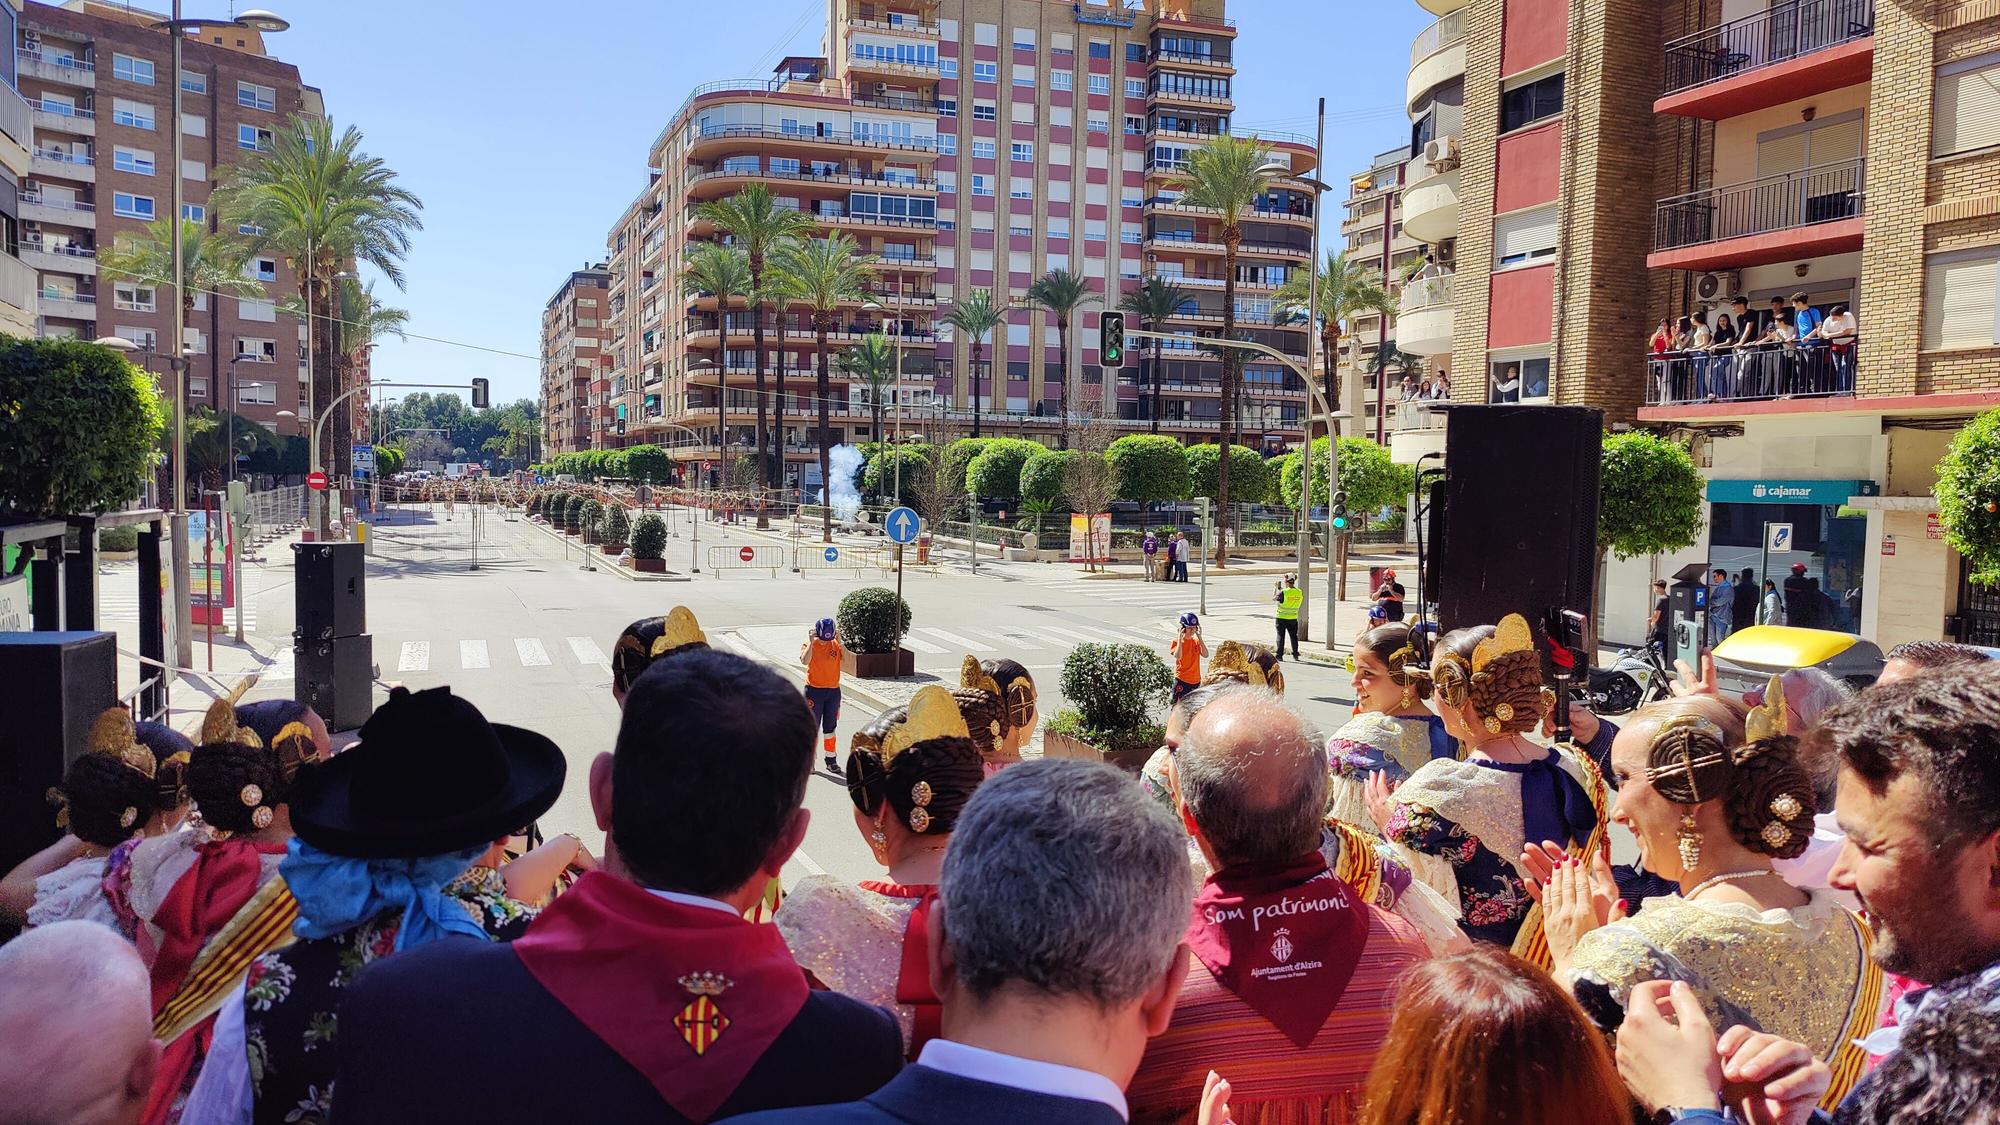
(240, 357)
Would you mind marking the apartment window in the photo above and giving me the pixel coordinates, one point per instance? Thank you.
(1959, 305)
(1523, 378)
(137, 161)
(1135, 126)
(982, 185)
(1128, 233)
(983, 150)
(1024, 74)
(1524, 237)
(1022, 112)
(251, 229)
(1062, 80)
(1135, 87)
(1135, 52)
(947, 224)
(252, 96)
(197, 341)
(947, 107)
(985, 34)
(948, 67)
(257, 394)
(785, 165)
(194, 170)
(1021, 187)
(1058, 228)
(194, 212)
(132, 70)
(984, 111)
(253, 138)
(194, 83)
(263, 351)
(1966, 108)
(1096, 124)
(1058, 190)
(948, 144)
(136, 115)
(266, 269)
(1100, 49)
(197, 384)
(257, 310)
(1093, 230)
(194, 125)
(1024, 39)
(1531, 102)
(135, 298)
(1022, 152)
(947, 182)
(132, 206)
(1020, 232)
(1131, 201)
(1100, 83)
(985, 72)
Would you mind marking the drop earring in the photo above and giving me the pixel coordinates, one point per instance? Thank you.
(879, 844)
(1687, 841)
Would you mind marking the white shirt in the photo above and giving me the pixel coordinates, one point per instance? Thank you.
(1037, 1077)
(222, 1093)
(1812, 870)
(693, 900)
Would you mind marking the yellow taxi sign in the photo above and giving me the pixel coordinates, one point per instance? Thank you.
(1783, 646)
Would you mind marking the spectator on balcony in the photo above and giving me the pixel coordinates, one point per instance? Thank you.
(1838, 331)
(1747, 322)
(1507, 384)
(1700, 343)
(1409, 391)
(1722, 366)
(1663, 338)
(1804, 317)
(1774, 355)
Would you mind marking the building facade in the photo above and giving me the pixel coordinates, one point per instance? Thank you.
(1373, 364)
(903, 135)
(96, 78)
(17, 278)
(574, 356)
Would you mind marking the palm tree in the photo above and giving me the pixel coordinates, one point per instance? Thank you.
(359, 321)
(759, 225)
(1153, 302)
(1347, 289)
(872, 362)
(315, 198)
(1060, 292)
(975, 314)
(780, 289)
(829, 272)
(722, 272)
(1226, 176)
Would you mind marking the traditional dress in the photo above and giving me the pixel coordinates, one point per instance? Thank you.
(1371, 742)
(74, 890)
(867, 942)
(1804, 974)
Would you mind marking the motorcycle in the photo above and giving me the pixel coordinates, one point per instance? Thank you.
(1637, 677)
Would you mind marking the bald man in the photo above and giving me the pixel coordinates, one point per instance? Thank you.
(1290, 968)
(76, 1021)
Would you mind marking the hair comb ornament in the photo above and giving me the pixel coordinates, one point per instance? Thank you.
(1509, 637)
(1230, 662)
(219, 726)
(933, 714)
(677, 630)
(1686, 748)
(976, 678)
(1769, 718)
(114, 734)
(60, 800)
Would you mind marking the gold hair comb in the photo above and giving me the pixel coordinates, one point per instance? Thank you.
(1770, 718)
(1230, 662)
(219, 726)
(1511, 636)
(677, 629)
(933, 714)
(975, 678)
(114, 734)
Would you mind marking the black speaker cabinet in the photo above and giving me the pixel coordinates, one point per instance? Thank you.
(331, 595)
(1520, 527)
(56, 686)
(336, 677)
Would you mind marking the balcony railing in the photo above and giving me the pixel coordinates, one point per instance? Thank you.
(64, 157)
(1772, 203)
(34, 243)
(59, 62)
(895, 102)
(1752, 374)
(1784, 31)
(63, 109)
(1445, 32)
(1161, 54)
(773, 132)
(35, 198)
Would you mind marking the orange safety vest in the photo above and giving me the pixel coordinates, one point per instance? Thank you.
(823, 664)
(1187, 660)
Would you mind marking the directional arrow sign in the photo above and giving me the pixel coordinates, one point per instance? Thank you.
(833, 554)
(902, 524)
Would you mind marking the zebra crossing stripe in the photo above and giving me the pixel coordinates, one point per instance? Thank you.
(531, 652)
(966, 643)
(416, 657)
(1022, 638)
(1073, 635)
(920, 645)
(587, 652)
(472, 654)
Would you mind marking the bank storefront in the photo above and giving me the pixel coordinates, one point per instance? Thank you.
(1767, 525)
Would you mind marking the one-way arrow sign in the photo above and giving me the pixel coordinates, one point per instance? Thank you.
(902, 524)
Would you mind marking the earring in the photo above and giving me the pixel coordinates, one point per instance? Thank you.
(879, 844)
(1688, 842)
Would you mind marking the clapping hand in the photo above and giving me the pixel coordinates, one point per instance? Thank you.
(1690, 684)
(1669, 1055)
(1577, 895)
(1214, 1102)
(1376, 793)
(1768, 1080)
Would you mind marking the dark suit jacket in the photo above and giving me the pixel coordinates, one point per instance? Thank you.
(460, 1031)
(922, 1096)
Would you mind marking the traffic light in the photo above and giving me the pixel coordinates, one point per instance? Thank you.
(480, 397)
(1339, 510)
(1111, 339)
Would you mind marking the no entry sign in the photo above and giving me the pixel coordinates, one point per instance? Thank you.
(316, 481)
(746, 554)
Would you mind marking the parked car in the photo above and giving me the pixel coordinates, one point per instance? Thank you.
(1749, 657)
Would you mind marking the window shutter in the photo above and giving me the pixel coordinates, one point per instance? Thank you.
(1959, 303)
(1835, 143)
(1524, 233)
(1966, 115)
(1781, 155)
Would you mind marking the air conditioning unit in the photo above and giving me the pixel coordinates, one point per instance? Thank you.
(1442, 153)
(31, 39)
(1718, 285)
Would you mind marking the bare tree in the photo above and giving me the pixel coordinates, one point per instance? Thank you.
(1090, 482)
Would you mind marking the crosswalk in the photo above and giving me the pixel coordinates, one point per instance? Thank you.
(471, 654)
(1167, 597)
(118, 600)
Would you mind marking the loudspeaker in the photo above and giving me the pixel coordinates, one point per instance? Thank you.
(57, 685)
(336, 677)
(1430, 483)
(1519, 534)
(331, 597)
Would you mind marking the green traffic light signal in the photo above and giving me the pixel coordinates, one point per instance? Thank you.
(1111, 339)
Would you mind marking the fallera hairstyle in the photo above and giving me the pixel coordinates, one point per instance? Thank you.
(1935, 654)
(1010, 706)
(1259, 802)
(1393, 645)
(1941, 727)
(1767, 798)
(1502, 1044)
(632, 653)
(1513, 680)
(1942, 1070)
(172, 751)
(1108, 928)
(947, 767)
(247, 762)
(103, 800)
(711, 762)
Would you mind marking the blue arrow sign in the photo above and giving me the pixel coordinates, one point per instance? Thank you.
(833, 554)
(902, 525)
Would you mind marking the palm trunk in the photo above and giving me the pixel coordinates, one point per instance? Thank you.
(757, 345)
(1230, 239)
(1156, 383)
(974, 380)
(1062, 394)
(778, 425)
(722, 396)
(822, 323)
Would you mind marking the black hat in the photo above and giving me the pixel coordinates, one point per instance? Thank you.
(430, 775)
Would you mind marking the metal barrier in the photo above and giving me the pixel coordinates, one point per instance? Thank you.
(885, 559)
(771, 558)
(831, 556)
(272, 511)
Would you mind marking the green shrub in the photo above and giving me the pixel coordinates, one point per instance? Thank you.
(588, 514)
(649, 464)
(879, 476)
(616, 526)
(1249, 474)
(995, 474)
(649, 537)
(81, 427)
(1044, 475)
(867, 619)
(124, 538)
(573, 513)
(1115, 692)
(958, 455)
(1150, 468)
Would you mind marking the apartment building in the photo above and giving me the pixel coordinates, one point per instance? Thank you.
(575, 359)
(1373, 364)
(1654, 161)
(96, 78)
(903, 135)
(17, 278)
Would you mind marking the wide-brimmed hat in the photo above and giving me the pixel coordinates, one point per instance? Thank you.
(430, 775)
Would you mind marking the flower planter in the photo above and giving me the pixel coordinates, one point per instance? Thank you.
(879, 665)
(611, 548)
(1056, 744)
(650, 566)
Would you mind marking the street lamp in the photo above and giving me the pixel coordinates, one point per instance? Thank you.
(233, 403)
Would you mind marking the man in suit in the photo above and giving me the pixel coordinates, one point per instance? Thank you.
(1055, 947)
(1306, 995)
(641, 993)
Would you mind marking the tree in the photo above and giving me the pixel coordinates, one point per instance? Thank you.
(935, 490)
(1968, 495)
(1248, 468)
(1226, 176)
(84, 426)
(976, 315)
(649, 464)
(315, 198)
(1044, 477)
(829, 272)
(1651, 498)
(1090, 482)
(722, 272)
(1371, 480)
(210, 433)
(780, 290)
(1149, 468)
(995, 474)
(1152, 303)
(880, 475)
(388, 460)
(1346, 290)
(1060, 292)
(760, 227)
(872, 363)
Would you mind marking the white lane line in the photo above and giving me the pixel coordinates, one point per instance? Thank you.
(1020, 637)
(531, 652)
(587, 652)
(472, 654)
(920, 645)
(806, 862)
(416, 657)
(966, 643)
(1073, 635)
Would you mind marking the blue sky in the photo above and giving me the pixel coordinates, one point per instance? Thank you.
(524, 127)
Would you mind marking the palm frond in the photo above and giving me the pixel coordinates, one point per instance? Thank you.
(975, 314)
(1060, 292)
(827, 272)
(1225, 176)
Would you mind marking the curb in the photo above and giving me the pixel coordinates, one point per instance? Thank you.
(612, 566)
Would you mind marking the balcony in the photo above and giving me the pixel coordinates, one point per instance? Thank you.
(74, 306)
(59, 164)
(15, 117)
(55, 209)
(1778, 218)
(1424, 316)
(1715, 383)
(1792, 50)
(1430, 197)
(64, 118)
(1419, 432)
(714, 133)
(1436, 57)
(56, 68)
(902, 23)
(61, 257)
(1441, 7)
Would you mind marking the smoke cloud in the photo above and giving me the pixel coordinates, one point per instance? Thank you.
(846, 461)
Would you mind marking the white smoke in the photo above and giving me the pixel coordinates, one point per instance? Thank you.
(846, 461)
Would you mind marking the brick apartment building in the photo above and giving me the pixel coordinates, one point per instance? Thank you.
(96, 79)
(965, 144)
(1374, 361)
(17, 278)
(573, 326)
(1656, 160)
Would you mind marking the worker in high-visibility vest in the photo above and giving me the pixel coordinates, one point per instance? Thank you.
(1289, 598)
(821, 654)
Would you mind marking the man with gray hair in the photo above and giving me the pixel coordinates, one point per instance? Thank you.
(76, 1018)
(1289, 966)
(1055, 948)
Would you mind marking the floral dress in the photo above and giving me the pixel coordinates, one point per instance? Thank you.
(1393, 745)
(291, 994)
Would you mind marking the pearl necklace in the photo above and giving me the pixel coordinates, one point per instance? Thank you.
(1725, 877)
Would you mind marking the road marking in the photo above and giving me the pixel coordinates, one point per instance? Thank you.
(587, 652)
(806, 862)
(1073, 635)
(1022, 638)
(966, 643)
(472, 654)
(416, 657)
(531, 652)
(920, 645)
(282, 666)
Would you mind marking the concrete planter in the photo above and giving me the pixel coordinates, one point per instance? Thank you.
(611, 548)
(650, 566)
(1055, 744)
(879, 665)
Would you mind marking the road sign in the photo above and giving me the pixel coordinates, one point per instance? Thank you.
(746, 554)
(364, 460)
(833, 554)
(1777, 537)
(902, 525)
(316, 481)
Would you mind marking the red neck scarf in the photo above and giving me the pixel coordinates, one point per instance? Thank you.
(690, 996)
(913, 977)
(1285, 937)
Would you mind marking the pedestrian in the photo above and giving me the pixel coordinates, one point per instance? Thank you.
(1289, 597)
(1187, 649)
(1149, 547)
(1771, 609)
(1660, 624)
(1743, 613)
(78, 1030)
(1721, 606)
(822, 654)
(1800, 609)
(1180, 556)
(1388, 607)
